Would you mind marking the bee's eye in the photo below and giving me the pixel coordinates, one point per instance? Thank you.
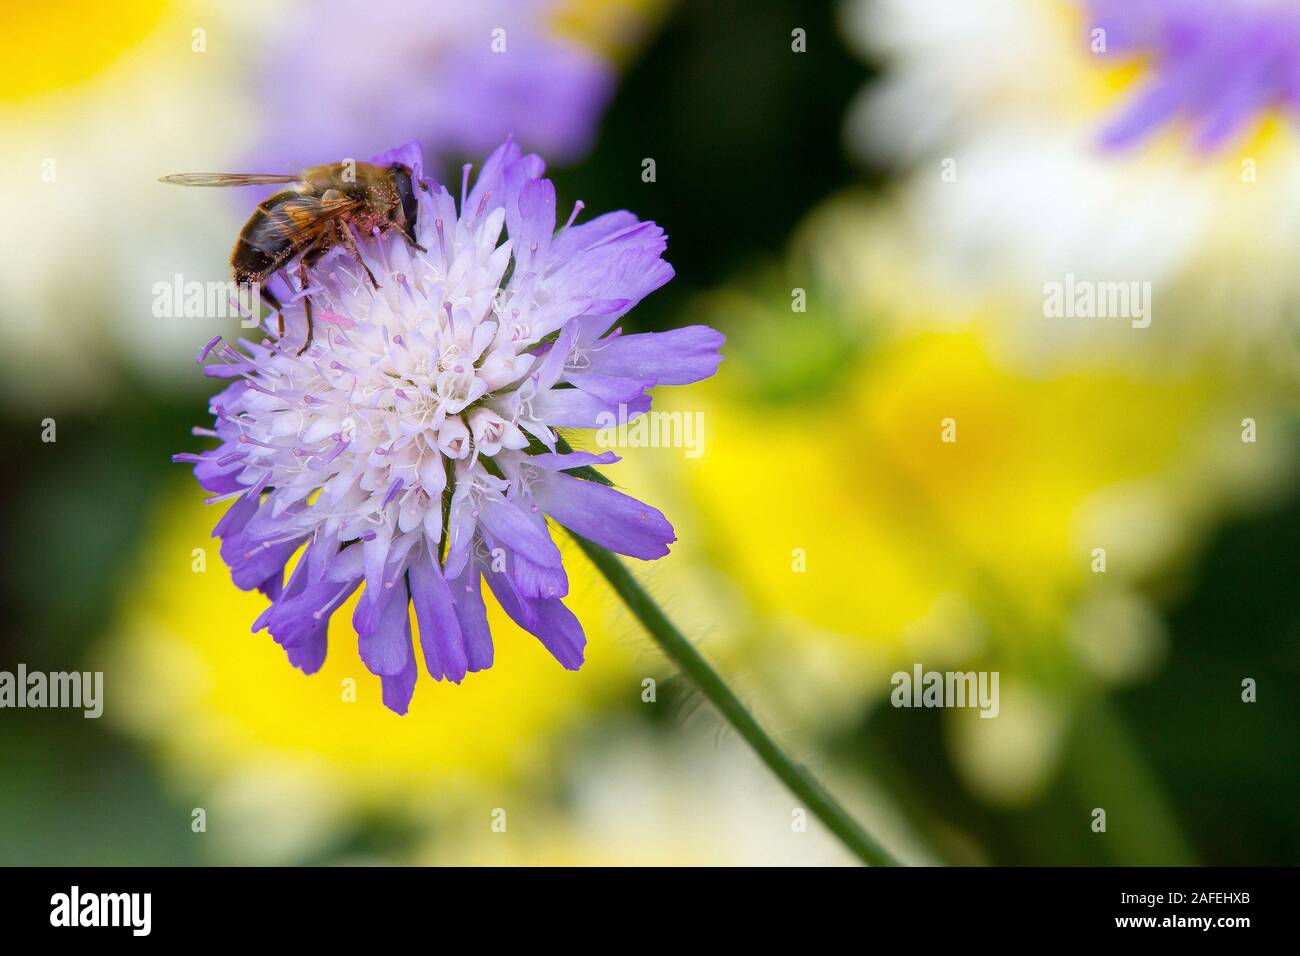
(406, 193)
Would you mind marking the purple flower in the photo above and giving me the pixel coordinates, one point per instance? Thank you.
(461, 76)
(413, 448)
(1215, 64)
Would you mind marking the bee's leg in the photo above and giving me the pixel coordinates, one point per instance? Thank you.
(410, 238)
(345, 236)
(306, 302)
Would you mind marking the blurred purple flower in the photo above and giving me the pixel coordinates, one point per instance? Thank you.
(1215, 64)
(413, 446)
(368, 75)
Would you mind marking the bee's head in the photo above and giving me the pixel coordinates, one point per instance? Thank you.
(407, 207)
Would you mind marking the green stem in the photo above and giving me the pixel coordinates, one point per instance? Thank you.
(683, 653)
(1111, 771)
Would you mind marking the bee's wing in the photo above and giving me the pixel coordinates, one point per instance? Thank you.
(300, 217)
(226, 179)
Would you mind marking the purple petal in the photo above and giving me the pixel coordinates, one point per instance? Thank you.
(624, 266)
(552, 364)
(384, 630)
(398, 688)
(460, 536)
(490, 188)
(409, 154)
(292, 619)
(547, 619)
(530, 222)
(575, 459)
(1217, 65)
(252, 564)
(509, 525)
(219, 479)
(309, 654)
(608, 517)
(467, 600)
(610, 389)
(678, 357)
(530, 579)
(577, 239)
(574, 408)
(444, 651)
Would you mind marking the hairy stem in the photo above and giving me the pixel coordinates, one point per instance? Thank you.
(683, 653)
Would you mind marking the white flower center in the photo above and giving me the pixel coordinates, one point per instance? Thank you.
(422, 373)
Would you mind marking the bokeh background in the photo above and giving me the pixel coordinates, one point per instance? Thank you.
(910, 174)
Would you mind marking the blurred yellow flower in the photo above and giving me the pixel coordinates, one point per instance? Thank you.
(35, 47)
(1037, 473)
(942, 494)
(615, 28)
(234, 721)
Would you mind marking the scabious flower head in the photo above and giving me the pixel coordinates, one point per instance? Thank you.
(413, 448)
(1215, 64)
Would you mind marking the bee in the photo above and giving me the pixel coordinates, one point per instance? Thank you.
(313, 215)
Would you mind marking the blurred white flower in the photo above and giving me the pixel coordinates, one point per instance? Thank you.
(695, 799)
(1004, 111)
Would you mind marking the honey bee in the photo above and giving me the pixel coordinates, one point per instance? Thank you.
(312, 216)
